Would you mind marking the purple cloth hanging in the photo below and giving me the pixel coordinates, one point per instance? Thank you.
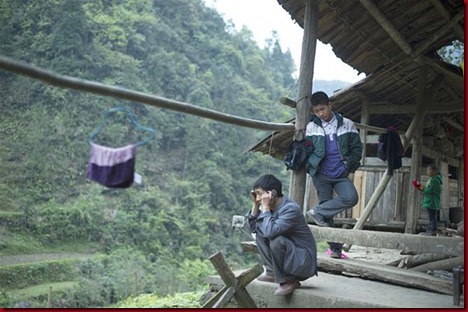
(112, 167)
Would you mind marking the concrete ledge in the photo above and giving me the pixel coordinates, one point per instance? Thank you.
(337, 291)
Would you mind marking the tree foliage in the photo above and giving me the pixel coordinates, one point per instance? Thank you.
(196, 172)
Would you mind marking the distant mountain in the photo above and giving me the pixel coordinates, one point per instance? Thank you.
(329, 86)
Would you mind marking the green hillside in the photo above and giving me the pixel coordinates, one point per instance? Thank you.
(196, 172)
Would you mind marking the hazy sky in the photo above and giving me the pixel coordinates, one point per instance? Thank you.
(264, 16)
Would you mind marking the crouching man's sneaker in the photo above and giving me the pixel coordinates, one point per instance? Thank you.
(266, 278)
(287, 288)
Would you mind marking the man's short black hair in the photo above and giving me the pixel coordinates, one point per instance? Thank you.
(269, 182)
(319, 98)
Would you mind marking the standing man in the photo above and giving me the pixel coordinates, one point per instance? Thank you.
(335, 150)
(283, 238)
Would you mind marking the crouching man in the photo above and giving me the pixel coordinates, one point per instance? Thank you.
(283, 238)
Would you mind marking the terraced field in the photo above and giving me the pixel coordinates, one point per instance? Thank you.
(21, 259)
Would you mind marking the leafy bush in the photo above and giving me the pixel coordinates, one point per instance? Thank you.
(24, 275)
(5, 298)
(180, 300)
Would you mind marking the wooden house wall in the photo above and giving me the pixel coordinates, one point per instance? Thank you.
(392, 204)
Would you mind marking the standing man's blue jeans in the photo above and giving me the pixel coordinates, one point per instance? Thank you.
(329, 206)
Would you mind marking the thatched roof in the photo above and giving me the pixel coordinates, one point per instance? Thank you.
(390, 40)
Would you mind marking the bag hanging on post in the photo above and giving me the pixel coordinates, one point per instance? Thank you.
(296, 155)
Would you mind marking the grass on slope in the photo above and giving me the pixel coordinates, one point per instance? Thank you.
(42, 290)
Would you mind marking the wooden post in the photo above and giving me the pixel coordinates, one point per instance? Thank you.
(306, 74)
(412, 212)
(363, 132)
(461, 184)
(445, 196)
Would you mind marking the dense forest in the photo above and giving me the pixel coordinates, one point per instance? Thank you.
(156, 236)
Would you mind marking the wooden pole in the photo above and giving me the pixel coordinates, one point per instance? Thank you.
(445, 196)
(130, 95)
(306, 74)
(412, 212)
(363, 132)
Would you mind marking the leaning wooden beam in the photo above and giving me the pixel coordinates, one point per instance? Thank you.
(385, 273)
(51, 78)
(451, 246)
(379, 190)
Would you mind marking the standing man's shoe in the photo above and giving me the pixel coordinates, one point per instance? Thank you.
(287, 288)
(316, 218)
(428, 233)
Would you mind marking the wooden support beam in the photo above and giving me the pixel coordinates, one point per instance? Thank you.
(306, 75)
(387, 26)
(370, 128)
(412, 211)
(434, 108)
(424, 97)
(426, 151)
(451, 246)
(454, 124)
(235, 286)
(455, 78)
(364, 121)
(439, 33)
(414, 134)
(51, 78)
(443, 11)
